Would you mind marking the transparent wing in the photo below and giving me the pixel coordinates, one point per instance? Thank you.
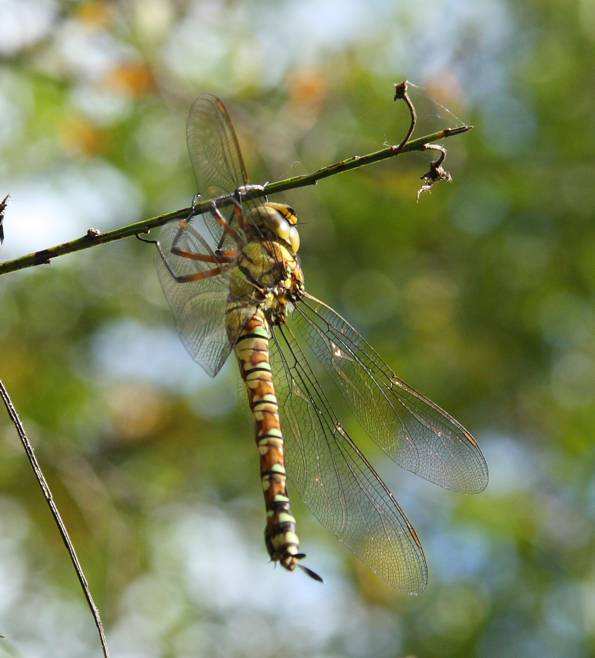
(213, 147)
(192, 264)
(334, 478)
(198, 306)
(218, 165)
(215, 155)
(413, 431)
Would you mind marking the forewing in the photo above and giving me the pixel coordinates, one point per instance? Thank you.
(215, 154)
(213, 147)
(334, 478)
(198, 306)
(413, 431)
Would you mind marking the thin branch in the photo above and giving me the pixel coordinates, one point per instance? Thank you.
(94, 237)
(47, 493)
(401, 95)
(436, 172)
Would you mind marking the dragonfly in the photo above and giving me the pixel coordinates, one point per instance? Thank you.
(234, 282)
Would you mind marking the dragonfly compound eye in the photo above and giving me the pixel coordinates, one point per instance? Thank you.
(290, 215)
(294, 239)
(280, 227)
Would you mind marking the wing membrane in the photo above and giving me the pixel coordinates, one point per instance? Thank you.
(198, 306)
(215, 155)
(413, 431)
(213, 147)
(334, 478)
(217, 161)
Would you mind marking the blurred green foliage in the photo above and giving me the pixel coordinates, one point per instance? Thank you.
(480, 295)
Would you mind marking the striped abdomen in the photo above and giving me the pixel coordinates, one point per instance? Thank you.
(252, 351)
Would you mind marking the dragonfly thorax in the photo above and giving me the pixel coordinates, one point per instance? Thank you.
(274, 221)
(268, 271)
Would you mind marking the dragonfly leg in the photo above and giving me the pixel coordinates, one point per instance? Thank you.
(244, 189)
(184, 226)
(217, 257)
(199, 276)
(240, 193)
(221, 257)
(225, 225)
(139, 236)
(194, 276)
(195, 199)
(238, 215)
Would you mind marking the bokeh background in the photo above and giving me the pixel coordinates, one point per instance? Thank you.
(480, 295)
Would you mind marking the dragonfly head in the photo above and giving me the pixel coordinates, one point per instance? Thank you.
(279, 220)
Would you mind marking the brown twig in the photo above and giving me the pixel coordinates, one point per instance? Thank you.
(401, 94)
(436, 172)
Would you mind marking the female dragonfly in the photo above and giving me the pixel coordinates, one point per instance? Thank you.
(233, 281)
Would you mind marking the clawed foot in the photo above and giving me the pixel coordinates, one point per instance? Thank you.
(195, 199)
(193, 206)
(242, 191)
